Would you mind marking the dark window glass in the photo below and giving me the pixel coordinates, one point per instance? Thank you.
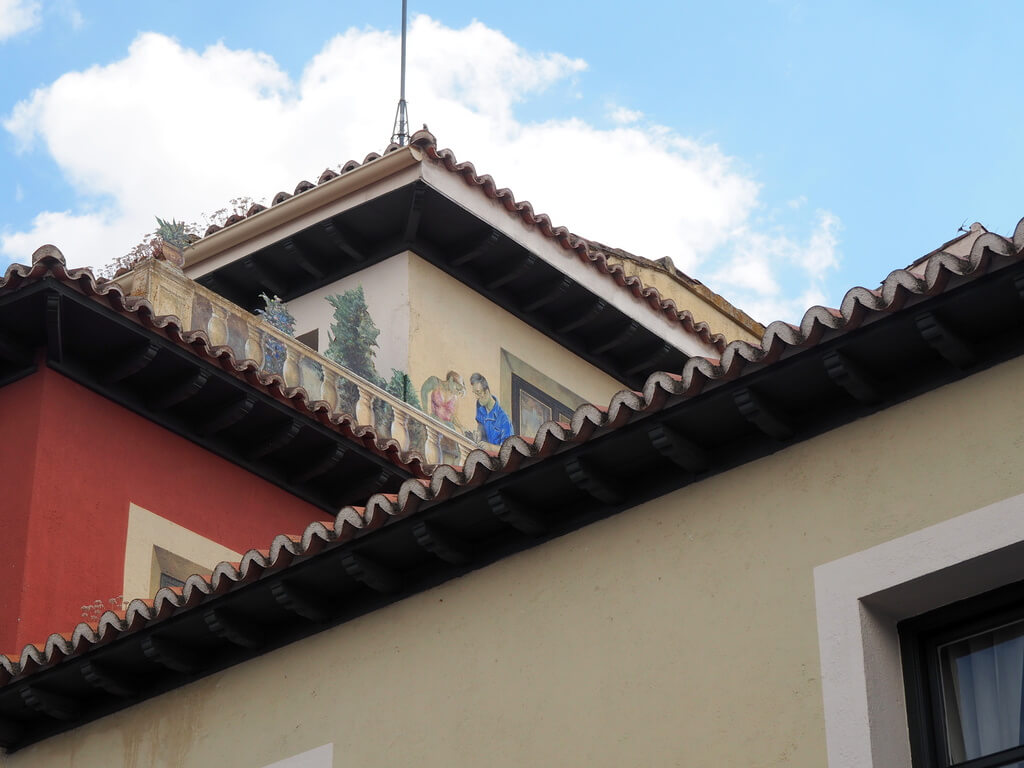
(964, 671)
(166, 580)
(982, 680)
(531, 407)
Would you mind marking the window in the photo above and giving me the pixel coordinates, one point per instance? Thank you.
(166, 580)
(861, 598)
(160, 553)
(173, 569)
(964, 675)
(531, 407)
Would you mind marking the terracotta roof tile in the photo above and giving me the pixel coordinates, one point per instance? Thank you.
(859, 307)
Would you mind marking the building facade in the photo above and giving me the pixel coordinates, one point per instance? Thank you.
(803, 551)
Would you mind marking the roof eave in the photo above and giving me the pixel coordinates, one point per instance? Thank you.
(323, 194)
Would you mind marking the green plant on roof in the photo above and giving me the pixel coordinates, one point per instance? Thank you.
(172, 232)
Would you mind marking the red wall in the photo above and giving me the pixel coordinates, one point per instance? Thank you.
(73, 461)
(19, 417)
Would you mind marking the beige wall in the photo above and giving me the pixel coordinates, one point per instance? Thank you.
(455, 328)
(681, 632)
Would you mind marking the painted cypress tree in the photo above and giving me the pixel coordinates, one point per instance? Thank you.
(401, 387)
(352, 340)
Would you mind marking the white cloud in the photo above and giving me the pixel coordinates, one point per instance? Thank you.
(19, 193)
(17, 16)
(623, 115)
(175, 132)
(71, 13)
(760, 263)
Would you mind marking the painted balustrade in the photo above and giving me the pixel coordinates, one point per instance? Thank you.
(250, 336)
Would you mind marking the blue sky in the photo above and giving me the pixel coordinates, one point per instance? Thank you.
(782, 152)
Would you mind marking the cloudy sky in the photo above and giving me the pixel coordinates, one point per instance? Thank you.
(778, 151)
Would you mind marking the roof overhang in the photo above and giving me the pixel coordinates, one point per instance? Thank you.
(399, 203)
(912, 337)
(194, 395)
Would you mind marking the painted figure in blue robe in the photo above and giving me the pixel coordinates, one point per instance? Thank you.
(493, 424)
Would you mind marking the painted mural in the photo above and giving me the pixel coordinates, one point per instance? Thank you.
(440, 399)
(276, 315)
(493, 425)
(353, 340)
(442, 396)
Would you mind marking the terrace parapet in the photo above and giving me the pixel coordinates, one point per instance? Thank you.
(249, 336)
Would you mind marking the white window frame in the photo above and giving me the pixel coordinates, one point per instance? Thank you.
(861, 597)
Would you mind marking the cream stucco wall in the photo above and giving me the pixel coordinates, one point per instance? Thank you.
(680, 632)
(455, 328)
(386, 289)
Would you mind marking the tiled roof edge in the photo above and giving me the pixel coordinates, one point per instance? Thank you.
(48, 261)
(857, 307)
(718, 301)
(303, 186)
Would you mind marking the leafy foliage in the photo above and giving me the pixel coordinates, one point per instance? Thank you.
(140, 252)
(276, 313)
(401, 387)
(352, 340)
(176, 233)
(173, 232)
(237, 206)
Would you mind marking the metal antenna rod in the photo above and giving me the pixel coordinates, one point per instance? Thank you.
(400, 134)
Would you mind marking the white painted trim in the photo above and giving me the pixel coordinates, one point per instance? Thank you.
(147, 530)
(321, 757)
(495, 214)
(861, 597)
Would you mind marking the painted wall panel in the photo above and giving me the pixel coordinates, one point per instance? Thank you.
(456, 329)
(427, 325)
(93, 459)
(386, 288)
